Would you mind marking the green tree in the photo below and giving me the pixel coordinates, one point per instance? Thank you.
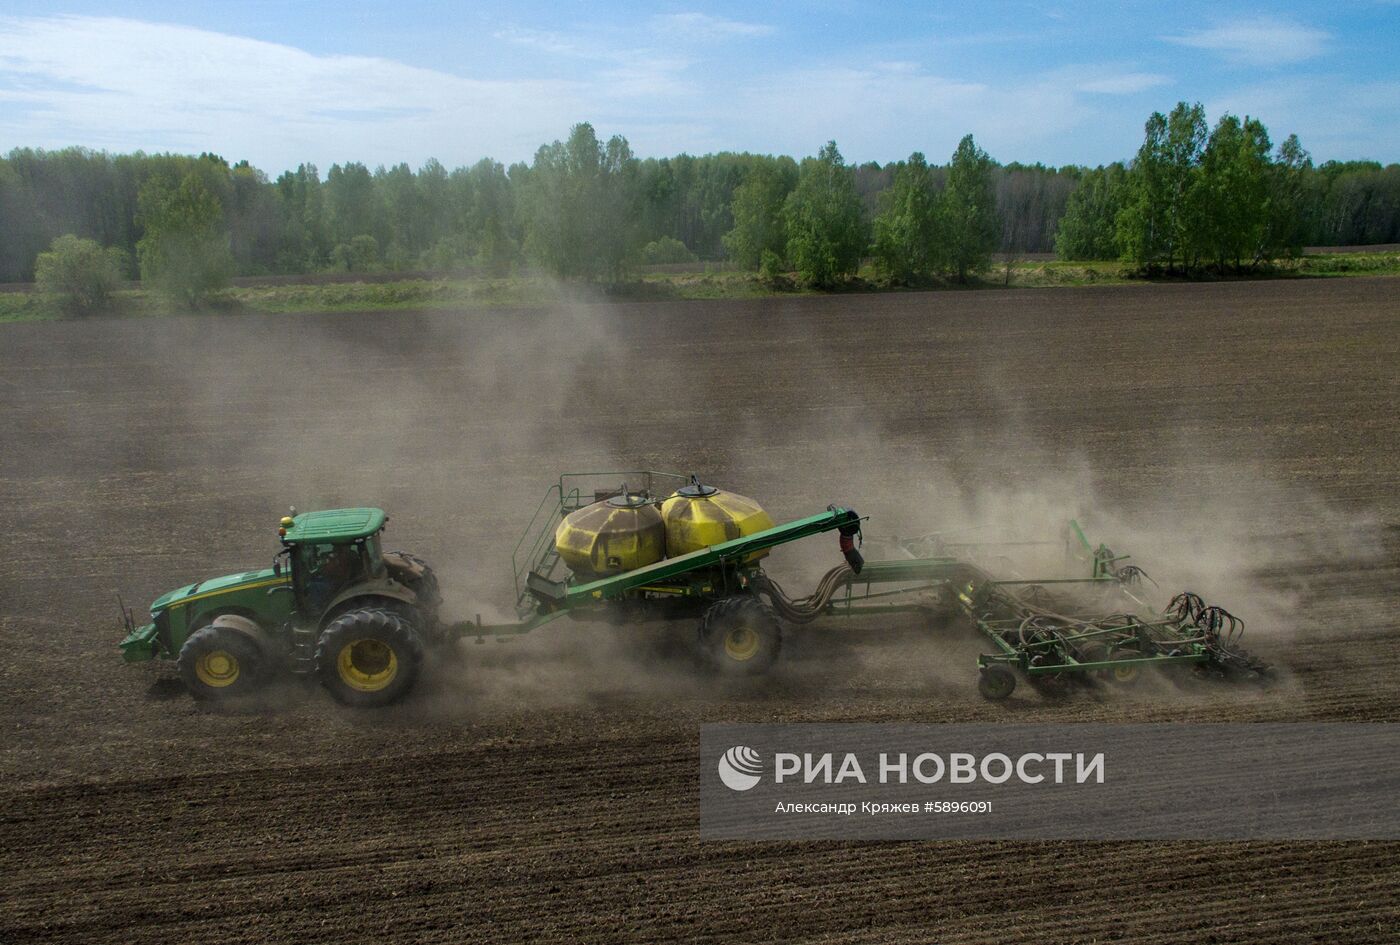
(1187, 214)
(407, 218)
(1162, 219)
(80, 273)
(907, 230)
(1141, 222)
(666, 251)
(302, 243)
(707, 207)
(971, 225)
(1089, 229)
(822, 218)
(434, 203)
(352, 204)
(579, 206)
(757, 212)
(253, 220)
(1232, 210)
(1289, 200)
(492, 216)
(185, 250)
(1357, 203)
(361, 254)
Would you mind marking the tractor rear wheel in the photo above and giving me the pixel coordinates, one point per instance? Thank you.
(369, 658)
(218, 664)
(425, 585)
(740, 636)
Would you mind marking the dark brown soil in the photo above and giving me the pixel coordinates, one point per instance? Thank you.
(545, 789)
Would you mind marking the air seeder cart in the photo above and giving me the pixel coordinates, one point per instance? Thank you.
(640, 545)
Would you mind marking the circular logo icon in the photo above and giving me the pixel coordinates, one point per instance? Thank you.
(739, 768)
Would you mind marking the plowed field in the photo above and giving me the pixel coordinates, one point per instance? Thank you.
(1239, 439)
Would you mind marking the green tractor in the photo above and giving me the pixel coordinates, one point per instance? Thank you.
(334, 604)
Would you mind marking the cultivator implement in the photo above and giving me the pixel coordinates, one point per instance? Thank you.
(1056, 651)
(1059, 632)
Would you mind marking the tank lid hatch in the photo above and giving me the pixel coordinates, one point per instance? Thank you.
(696, 489)
(627, 500)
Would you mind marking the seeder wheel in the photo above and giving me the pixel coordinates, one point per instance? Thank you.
(740, 636)
(1045, 648)
(1124, 675)
(996, 682)
(1113, 675)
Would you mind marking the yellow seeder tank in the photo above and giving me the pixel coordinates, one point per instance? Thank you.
(612, 536)
(698, 516)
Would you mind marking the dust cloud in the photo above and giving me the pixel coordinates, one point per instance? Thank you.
(458, 422)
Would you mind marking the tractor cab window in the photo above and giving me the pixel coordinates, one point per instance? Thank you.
(327, 570)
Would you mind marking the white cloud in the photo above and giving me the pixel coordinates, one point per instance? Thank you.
(1333, 117)
(1122, 83)
(546, 41)
(125, 84)
(1262, 41)
(897, 111)
(648, 76)
(704, 26)
(1106, 78)
(629, 72)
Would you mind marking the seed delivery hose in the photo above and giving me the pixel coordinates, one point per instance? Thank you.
(804, 609)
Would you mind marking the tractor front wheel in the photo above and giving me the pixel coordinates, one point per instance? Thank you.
(740, 636)
(369, 658)
(218, 664)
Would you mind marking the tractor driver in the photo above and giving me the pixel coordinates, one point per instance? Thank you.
(334, 571)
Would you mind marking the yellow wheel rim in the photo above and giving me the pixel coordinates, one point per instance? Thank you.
(217, 668)
(367, 665)
(1125, 674)
(741, 643)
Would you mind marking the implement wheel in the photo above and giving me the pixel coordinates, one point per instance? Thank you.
(218, 664)
(1124, 675)
(369, 658)
(740, 636)
(996, 682)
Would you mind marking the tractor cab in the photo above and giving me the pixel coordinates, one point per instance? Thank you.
(328, 553)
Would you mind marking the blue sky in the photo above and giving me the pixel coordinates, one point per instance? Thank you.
(283, 82)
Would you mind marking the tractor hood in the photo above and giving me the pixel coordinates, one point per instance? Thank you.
(218, 585)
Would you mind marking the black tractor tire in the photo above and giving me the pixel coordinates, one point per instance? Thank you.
(427, 588)
(369, 658)
(218, 664)
(740, 636)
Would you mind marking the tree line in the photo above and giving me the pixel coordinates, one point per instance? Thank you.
(587, 208)
(1191, 200)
